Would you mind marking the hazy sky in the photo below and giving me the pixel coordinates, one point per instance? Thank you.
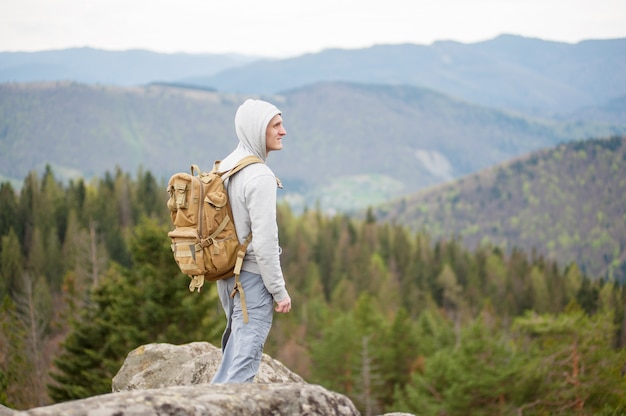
(292, 27)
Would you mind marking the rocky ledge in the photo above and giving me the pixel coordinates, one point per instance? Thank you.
(173, 380)
(207, 399)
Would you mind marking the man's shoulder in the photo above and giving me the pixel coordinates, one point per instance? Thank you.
(257, 169)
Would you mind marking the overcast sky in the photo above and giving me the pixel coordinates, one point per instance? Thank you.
(282, 28)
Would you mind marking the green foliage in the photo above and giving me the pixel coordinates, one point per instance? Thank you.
(398, 355)
(393, 318)
(88, 361)
(571, 361)
(337, 368)
(8, 215)
(473, 375)
(11, 263)
(551, 365)
(4, 383)
(14, 362)
(131, 307)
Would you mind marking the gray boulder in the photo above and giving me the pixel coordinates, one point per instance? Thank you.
(5, 411)
(162, 365)
(173, 380)
(206, 399)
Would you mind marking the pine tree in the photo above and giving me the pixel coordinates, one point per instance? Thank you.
(472, 378)
(371, 325)
(29, 201)
(11, 264)
(313, 307)
(397, 357)
(89, 358)
(572, 364)
(382, 285)
(54, 260)
(148, 196)
(102, 209)
(433, 330)
(336, 355)
(36, 264)
(519, 298)
(344, 295)
(130, 307)
(452, 300)
(326, 250)
(8, 209)
(52, 212)
(76, 194)
(573, 280)
(496, 281)
(587, 296)
(14, 361)
(541, 297)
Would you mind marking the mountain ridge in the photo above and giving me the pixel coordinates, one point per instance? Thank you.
(567, 202)
(513, 72)
(125, 68)
(372, 142)
(533, 76)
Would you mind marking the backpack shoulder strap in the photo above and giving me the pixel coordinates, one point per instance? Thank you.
(248, 160)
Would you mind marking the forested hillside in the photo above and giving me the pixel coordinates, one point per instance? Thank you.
(567, 202)
(347, 146)
(395, 319)
(83, 131)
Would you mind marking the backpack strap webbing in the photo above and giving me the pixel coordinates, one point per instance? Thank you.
(238, 286)
(196, 282)
(248, 160)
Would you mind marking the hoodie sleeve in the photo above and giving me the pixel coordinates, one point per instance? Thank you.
(260, 196)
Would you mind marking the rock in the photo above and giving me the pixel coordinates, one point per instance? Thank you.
(5, 411)
(173, 380)
(207, 399)
(398, 414)
(163, 365)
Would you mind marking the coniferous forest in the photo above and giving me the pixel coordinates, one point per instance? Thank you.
(394, 319)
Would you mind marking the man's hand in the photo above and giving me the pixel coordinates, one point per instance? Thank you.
(284, 305)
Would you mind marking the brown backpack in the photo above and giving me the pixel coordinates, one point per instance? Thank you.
(204, 240)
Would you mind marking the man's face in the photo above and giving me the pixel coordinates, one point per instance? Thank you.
(274, 134)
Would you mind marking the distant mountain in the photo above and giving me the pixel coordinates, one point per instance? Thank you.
(134, 67)
(509, 72)
(85, 130)
(613, 112)
(567, 203)
(380, 141)
(348, 145)
(533, 76)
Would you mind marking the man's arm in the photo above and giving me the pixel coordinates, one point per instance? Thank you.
(261, 204)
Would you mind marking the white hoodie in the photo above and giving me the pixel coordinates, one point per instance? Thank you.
(252, 193)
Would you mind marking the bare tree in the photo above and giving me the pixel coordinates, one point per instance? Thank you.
(33, 307)
(86, 260)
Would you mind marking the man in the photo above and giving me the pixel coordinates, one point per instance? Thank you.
(252, 193)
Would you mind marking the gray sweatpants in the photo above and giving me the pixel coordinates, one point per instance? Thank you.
(242, 344)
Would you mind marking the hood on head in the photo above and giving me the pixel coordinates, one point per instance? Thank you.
(251, 122)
